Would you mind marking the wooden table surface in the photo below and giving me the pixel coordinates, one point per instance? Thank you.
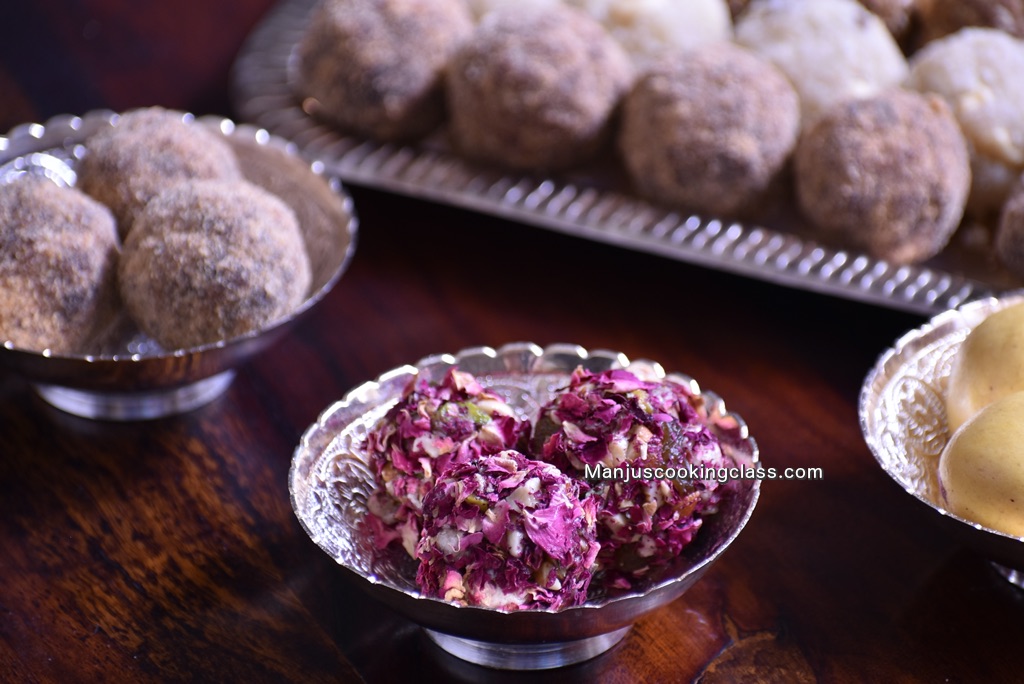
(168, 551)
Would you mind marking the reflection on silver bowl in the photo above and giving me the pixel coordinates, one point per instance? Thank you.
(133, 378)
(903, 418)
(330, 481)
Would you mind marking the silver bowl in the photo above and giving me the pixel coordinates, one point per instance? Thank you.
(330, 481)
(903, 417)
(132, 378)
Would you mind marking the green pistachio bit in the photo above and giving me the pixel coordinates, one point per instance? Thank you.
(476, 501)
(641, 397)
(477, 414)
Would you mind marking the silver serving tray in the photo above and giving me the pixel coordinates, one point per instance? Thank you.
(903, 418)
(595, 203)
(330, 481)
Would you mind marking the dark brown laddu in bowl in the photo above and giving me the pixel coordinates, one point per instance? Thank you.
(125, 375)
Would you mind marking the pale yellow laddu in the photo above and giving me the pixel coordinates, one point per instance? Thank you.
(989, 365)
(981, 470)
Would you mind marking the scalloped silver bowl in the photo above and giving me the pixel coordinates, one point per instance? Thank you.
(903, 418)
(330, 481)
(132, 378)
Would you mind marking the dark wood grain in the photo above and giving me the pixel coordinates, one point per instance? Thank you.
(168, 551)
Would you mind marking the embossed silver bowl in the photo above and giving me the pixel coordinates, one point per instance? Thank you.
(132, 378)
(330, 481)
(903, 418)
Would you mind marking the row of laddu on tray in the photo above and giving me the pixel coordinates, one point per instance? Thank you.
(883, 155)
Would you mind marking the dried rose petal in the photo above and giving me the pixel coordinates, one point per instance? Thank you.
(506, 532)
(608, 428)
(432, 427)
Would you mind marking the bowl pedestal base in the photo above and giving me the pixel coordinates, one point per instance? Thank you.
(143, 405)
(541, 656)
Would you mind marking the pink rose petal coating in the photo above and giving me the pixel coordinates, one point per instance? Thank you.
(509, 533)
(624, 435)
(432, 427)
